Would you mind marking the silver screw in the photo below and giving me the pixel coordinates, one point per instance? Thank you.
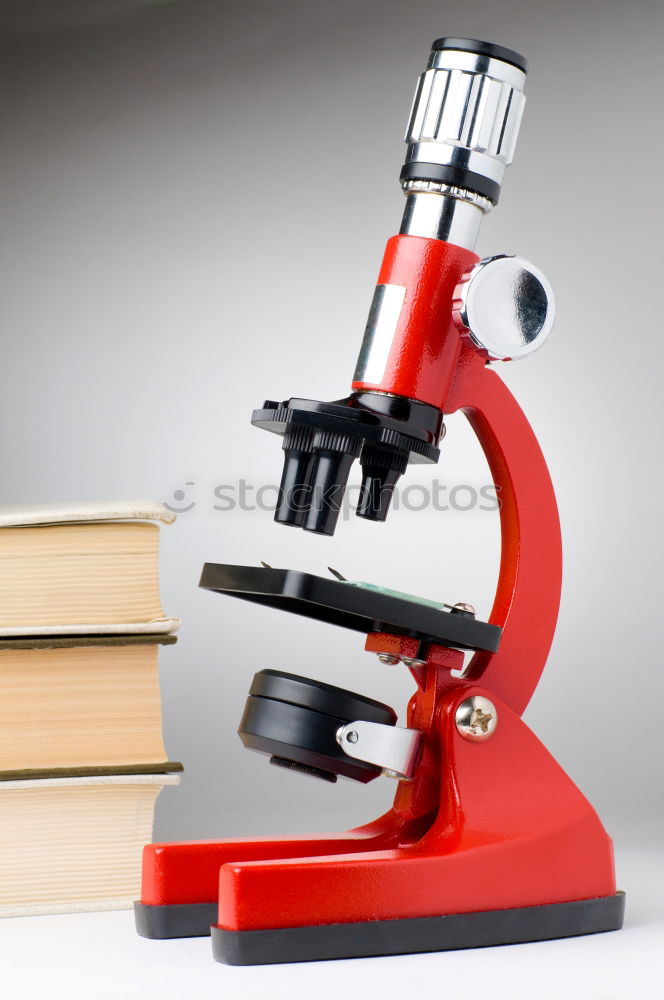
(462, 606)
(476, 718)
(410, 661)
(388, 659)
(352, 736)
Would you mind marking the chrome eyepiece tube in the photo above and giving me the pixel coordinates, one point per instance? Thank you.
(461, 136)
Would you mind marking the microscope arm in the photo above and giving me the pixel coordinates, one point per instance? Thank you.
(529, 583)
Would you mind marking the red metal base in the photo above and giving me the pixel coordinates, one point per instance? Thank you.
(512, 831)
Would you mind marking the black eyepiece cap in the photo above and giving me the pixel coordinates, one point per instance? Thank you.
(482, 49)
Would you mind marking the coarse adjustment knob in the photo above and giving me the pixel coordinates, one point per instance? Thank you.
(506, 307)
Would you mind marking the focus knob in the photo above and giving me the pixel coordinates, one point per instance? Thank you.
(506, 306)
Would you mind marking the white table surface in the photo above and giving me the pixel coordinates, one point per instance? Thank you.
(99, 955)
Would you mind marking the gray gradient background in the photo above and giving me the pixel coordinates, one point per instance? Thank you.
(182, 236)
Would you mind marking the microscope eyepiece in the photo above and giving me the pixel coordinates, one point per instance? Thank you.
(489, 49)
(465, 118)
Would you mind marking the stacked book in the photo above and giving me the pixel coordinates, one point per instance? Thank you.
(82, 757)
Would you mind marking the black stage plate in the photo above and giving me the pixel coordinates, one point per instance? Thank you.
(349, 605)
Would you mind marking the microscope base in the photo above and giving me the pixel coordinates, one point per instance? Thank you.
(513, 853)
(450, 932)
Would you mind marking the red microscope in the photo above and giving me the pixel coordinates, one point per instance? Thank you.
(488, 841)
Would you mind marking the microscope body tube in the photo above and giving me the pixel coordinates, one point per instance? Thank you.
(460, 139)
(411, 344)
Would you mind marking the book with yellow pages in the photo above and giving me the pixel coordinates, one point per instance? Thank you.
(80, 706)
(72, 844)
(87, 568)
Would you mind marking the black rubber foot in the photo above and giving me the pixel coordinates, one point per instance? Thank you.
(175, 919)
(417, 934)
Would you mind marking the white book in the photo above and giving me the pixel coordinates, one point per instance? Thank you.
(82, 569)
(72, 844)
